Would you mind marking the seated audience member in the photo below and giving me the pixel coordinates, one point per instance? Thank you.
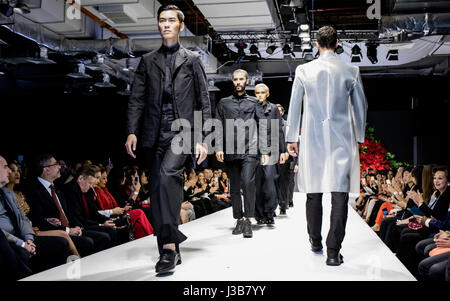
(435, 266)
(436, 208)
(200, 197)
(391, 227)
(144, 192)
(49, 210)
(108, 204)
(74, 192)
(14, 180)
(11, 265)
(37, 252)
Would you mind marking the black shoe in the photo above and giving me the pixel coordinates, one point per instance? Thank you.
(282, 211)
(270, 221)
(260, 221)
(247, 229)
(167, 261)
(335, 260)
(239, 225)
(291, 204)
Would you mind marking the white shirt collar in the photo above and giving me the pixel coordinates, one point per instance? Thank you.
(45, 183)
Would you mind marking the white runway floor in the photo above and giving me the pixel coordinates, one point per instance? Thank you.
(212, 253)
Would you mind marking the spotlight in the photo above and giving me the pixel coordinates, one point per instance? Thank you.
(21, 8)
(105, 83)
(6, 9)
(307, 55)
(372, 52)
(339, 49)
(241, 46)
(392, 55)
(271, 49)
(304, 27)
(306, 46)
(287, 50)
(81, 72)
(356, 54)
(254, 50)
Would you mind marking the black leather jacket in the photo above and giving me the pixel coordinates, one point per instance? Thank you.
(190, 93)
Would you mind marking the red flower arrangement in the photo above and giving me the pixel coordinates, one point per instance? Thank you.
(374, 155)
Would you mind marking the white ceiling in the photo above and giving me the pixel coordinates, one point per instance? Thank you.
(57, 16)
(236, 15)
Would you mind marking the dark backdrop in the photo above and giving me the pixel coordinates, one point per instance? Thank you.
(78, 124)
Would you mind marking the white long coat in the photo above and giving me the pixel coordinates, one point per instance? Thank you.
(333, 123)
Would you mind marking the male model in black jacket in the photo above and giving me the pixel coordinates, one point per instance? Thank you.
(170, 83)
(239, 114)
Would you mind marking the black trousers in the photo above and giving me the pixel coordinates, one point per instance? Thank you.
(267, 191)
(243, 172)
(51, 251)
(109, 241)
(166, 190)
(84, 244)
(286, 183)
(390, 233)
(406, 251)
(338, 220)
(12, 266)
(101, 240)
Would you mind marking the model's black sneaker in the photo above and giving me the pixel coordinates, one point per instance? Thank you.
(238, 229)
(282, 211)
(247, 229)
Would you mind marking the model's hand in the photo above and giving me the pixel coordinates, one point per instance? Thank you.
(220, 156)
(284, 157)
(265, 159)
(130, 145)
(293, 149)
(201, 152)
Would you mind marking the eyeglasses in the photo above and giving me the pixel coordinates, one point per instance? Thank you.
(54, 164)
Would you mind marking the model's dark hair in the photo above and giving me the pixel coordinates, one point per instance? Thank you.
(180, 14)
(327, 37)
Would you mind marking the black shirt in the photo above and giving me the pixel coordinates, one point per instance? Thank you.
(246, 109)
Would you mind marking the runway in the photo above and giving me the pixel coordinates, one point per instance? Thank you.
(212, 253)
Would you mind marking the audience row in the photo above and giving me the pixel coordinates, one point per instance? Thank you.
(410, 212)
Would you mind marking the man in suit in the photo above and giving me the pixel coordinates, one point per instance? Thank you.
(240, 114)
(267, 189)
(49, 209)
(333, 123)
(95, 225)
(36, 252)
(169, 84)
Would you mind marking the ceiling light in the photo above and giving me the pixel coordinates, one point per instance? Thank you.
(392, 55)
(21, 8)
(372, 52)
(105, 83)
(304, 27)
(254, 50)
(339, 49)
(271, 49)
(356, 54)
(81, 72)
